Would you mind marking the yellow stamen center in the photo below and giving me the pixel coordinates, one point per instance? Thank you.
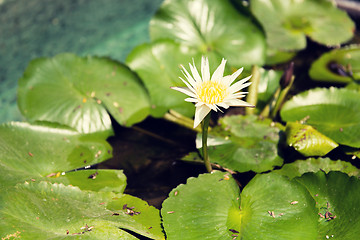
(211, 92)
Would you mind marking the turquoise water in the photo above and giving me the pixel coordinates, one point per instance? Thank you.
(37, 28)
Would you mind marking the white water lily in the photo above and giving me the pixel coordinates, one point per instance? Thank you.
(211, 93)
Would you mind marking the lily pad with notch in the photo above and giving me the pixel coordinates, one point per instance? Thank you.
(211, 207)
(78, 92)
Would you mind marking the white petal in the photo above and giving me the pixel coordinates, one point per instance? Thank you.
(188, 76)
(239, 85)
(188, 85)
(212, 106)
(191, 100)
(205, 69)
(200, 114)
(198, 104)
(219, 72)
(238, 103)
(223, 105)
(184, 90)
(226, 80)
(235, 96)
(235, 75)
(195, 73)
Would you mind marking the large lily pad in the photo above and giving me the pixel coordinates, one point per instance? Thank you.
(78, 92)
(337, 65)
(307, 140)
(287, 23)
(244, 143)
(36, 151)
(210, 26)
(337, 197)
(333, 112)
(299, 167)
(54, 211)
(210, 207)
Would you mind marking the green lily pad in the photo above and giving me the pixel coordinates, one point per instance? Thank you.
(299, 167)
(210, 207)
(337, 197)
(35, 151)
(333, 112)
(158, 65)
(211, 26)
(78, 92)
(346, 60)
(54, 211)
(306, 140)
(287, 23)
(244, 143)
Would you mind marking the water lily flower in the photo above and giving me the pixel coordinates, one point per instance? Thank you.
(211, 93)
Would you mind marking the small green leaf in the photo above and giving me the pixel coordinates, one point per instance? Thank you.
(78, 92)
(54, 211)
(306, 140)
(337, 197)
(105, 180)
(333, 112)
(346, 60)
(287, 23)
(244, 143)
(269, 82)
(210, 26)
(299, 167)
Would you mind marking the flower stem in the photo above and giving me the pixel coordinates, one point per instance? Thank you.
(205, 126)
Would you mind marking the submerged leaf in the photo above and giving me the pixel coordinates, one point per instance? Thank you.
(105, 180)
(78, 92)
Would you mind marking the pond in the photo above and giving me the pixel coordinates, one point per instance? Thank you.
(96, 143)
